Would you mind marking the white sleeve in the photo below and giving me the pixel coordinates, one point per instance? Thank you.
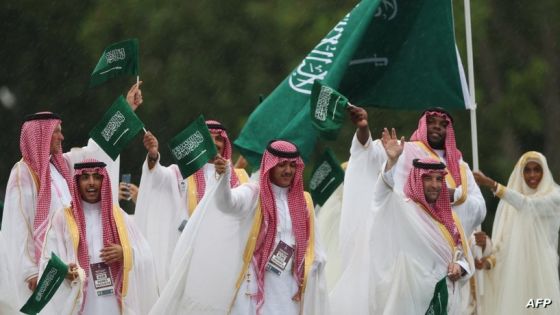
(237, 201)
(549, 204)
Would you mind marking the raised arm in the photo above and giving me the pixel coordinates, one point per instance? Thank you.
(547, 204)
(393, 147)
(152, 146)
(359, 118)
(237, 201)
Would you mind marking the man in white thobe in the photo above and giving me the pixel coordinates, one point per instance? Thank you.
(38, 186)
(435, 138)
(166, 201)
(251, 249)
(99, 241)
(413, 241)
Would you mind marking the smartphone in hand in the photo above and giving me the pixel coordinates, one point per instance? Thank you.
(125, 178)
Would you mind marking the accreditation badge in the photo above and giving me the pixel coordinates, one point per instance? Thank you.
(280, 258)
(102, 281)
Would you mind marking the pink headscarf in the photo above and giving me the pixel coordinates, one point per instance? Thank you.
(414, 189)
(452, 154)
(109, 226)
(35, 147)
(277, 152)
(215, 127)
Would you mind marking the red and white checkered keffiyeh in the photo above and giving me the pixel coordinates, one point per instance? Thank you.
(35, 144)
(452, 154)
(441, 210)
(109, 226)
(215, 127)
(298, 213)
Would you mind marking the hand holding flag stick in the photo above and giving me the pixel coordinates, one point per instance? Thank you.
(134, 96)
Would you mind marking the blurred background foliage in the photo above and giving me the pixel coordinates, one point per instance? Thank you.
(216, 57)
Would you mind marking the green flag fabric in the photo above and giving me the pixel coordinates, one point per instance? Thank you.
(285, 113)
(50, 281)
(118, 59)
(438, 304)
(408, 60)
(193, 147)
(117, 128)
(326, 177)
(327, 110)
(385, 53)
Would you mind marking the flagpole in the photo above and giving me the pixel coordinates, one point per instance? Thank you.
(472, 94)
(474, 136)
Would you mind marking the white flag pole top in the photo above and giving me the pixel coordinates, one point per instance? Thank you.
(470, 65)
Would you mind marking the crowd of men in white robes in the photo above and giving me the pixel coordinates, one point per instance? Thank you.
(221, 242)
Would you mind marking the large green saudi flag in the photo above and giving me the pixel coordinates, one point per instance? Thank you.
(118, 59)
(389, 53)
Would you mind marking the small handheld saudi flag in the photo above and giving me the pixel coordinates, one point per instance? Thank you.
(117, 128)
(50, 281)
(438, 304)
(118, 59)
(327, 110)
(193, 147)
(326, 177)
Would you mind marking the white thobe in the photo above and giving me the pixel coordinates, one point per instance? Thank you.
(106, 304)
(278, 289)
(142, 286)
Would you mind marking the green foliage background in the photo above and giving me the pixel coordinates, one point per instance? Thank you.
(216, 58)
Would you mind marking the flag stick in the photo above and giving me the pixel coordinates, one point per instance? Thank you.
(474, 137)
(472, 95)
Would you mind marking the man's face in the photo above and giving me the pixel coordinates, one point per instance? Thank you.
(56, 140)
(437, 130)
(90, 186)
(219, 141)
(283, 173)
(532, 174)
(432, 183)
